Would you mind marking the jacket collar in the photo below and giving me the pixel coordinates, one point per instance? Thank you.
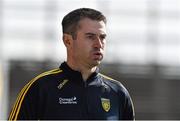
(76, 76)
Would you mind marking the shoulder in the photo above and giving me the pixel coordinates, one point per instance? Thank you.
(121, 91)
(32, 91)
(117, 86)
(47, 75)
(40, 83)
(44, 78)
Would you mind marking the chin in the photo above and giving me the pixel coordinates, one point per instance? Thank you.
(96, 63)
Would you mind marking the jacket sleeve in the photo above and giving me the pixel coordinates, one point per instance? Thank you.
(128, 110)
(26, 105)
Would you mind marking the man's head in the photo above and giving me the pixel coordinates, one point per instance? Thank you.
(84, 34)
(71, 21)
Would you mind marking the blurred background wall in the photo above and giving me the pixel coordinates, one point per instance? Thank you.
(143, 49)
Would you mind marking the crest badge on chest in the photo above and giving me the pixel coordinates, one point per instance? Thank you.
(105, 104)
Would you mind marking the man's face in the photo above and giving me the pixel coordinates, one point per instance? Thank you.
(88, 47)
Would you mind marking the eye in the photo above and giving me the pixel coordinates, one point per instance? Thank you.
(102, 37)
(92, 37)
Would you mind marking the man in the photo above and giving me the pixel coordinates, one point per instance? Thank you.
(76, 90)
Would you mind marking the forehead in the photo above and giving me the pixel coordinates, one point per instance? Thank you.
(87, 25)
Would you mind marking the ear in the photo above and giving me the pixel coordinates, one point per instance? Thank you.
(67, 39)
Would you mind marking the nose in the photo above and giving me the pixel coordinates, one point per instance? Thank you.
(98, 43)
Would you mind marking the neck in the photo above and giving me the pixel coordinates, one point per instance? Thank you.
(85, 71)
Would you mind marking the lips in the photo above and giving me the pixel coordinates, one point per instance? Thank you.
(97, 55)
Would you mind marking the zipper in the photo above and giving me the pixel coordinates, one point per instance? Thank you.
(85, 100)
(85, 84)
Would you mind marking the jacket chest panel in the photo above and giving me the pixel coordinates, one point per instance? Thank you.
(77, 102)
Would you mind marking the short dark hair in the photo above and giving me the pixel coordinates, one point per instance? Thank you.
(71, 20)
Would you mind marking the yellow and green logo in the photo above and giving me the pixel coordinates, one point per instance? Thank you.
(105, 104)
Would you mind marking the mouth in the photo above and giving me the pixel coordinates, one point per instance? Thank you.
(98, 55)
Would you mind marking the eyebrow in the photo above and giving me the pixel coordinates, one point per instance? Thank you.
(89, 33)
(94, 34)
